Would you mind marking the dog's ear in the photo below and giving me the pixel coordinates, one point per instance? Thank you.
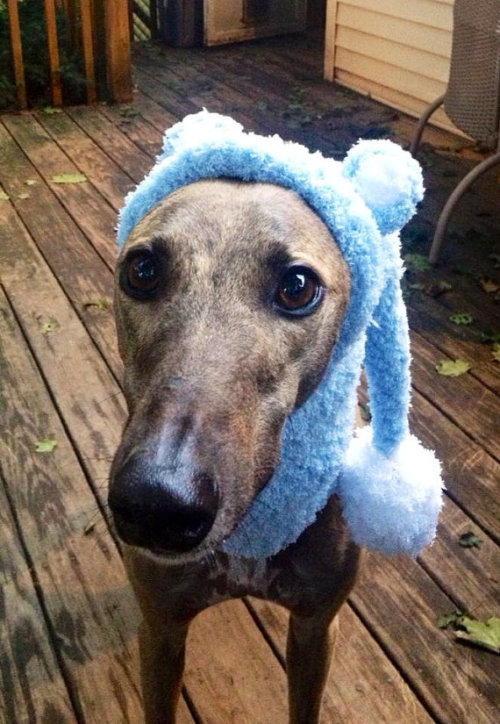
(200, 126)
(388, 179)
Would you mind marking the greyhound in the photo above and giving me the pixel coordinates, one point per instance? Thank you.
(229, 298)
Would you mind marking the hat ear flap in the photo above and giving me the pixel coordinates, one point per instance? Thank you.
(390, 484)
(388, 179)
(196, 127)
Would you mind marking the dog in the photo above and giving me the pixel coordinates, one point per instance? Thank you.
(229, 298)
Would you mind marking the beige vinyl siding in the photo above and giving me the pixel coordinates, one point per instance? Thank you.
(397, 51)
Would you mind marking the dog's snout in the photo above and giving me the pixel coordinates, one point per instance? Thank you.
(150, 513)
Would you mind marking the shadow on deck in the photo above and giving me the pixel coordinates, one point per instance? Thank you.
(68, 643)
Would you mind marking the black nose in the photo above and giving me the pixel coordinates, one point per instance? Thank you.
(150, 513)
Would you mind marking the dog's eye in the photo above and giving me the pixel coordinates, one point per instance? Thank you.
(141, 275)
(299, 291)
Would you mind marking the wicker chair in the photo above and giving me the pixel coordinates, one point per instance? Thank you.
(472, 99)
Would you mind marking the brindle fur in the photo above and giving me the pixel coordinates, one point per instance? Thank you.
(211, 372)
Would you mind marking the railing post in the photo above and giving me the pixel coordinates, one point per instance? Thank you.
(88, 49)
(17, 53)
(118, 50)
(55, 73)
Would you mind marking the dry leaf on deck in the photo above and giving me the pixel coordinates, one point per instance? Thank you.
(470, 540)
(452, 368)
(416, 262)
(489, 286)
(485, 634)
(461, 318)
(48, 325)
(495, 352)
(45, 446)
(68, 178)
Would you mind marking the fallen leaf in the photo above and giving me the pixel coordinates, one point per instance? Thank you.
(435, 289)
(449, 619)
(495, 352)
(49, 110)
(30, 181)
(45, 446)
(484, 634)
(461, 318)
(365, 412)
(417, 262)
(101, 304)
(68, 178)
(129, 112)
(489, 286)
(4, 196)
(470, 540)
(48, 325)
(452, 368)
(489, 337)
(23, 196)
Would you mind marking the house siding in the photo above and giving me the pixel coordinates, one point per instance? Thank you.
(397, 51)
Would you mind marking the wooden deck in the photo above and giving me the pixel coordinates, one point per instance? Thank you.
(68, 634)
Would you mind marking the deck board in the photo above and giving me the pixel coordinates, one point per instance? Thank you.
(56, 256)
(32, 684)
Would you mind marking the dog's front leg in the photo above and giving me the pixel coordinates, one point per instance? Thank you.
(162, 651)
(309, 651)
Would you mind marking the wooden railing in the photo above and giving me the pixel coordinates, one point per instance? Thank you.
(100, 30)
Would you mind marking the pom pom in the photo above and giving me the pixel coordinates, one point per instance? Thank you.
(391, 504)
(388, 179)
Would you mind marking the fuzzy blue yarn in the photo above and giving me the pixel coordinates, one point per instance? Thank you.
(315, 436)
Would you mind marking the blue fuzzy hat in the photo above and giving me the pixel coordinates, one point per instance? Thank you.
(389, 485)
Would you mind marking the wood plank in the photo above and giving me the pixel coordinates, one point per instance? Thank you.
(67, 252)
(470, 474)
(174, 104)
(363, 686)
(88, 50)
(414, 35)
(401, 605)
(32, 687)
(81, 577)
(95, 413)
(112, 142)
(54, 69)
(155, 114)
(231, 669)
(469, 576)
(98, 218)
(111, 182)
(118, 65)
(471, 405)
(136, 127)
(17, 53)
(431, 321)
(396, 52)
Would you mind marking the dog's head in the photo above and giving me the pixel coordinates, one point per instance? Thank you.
(229, 299)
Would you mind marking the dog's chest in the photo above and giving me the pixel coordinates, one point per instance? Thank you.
(233, 577)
